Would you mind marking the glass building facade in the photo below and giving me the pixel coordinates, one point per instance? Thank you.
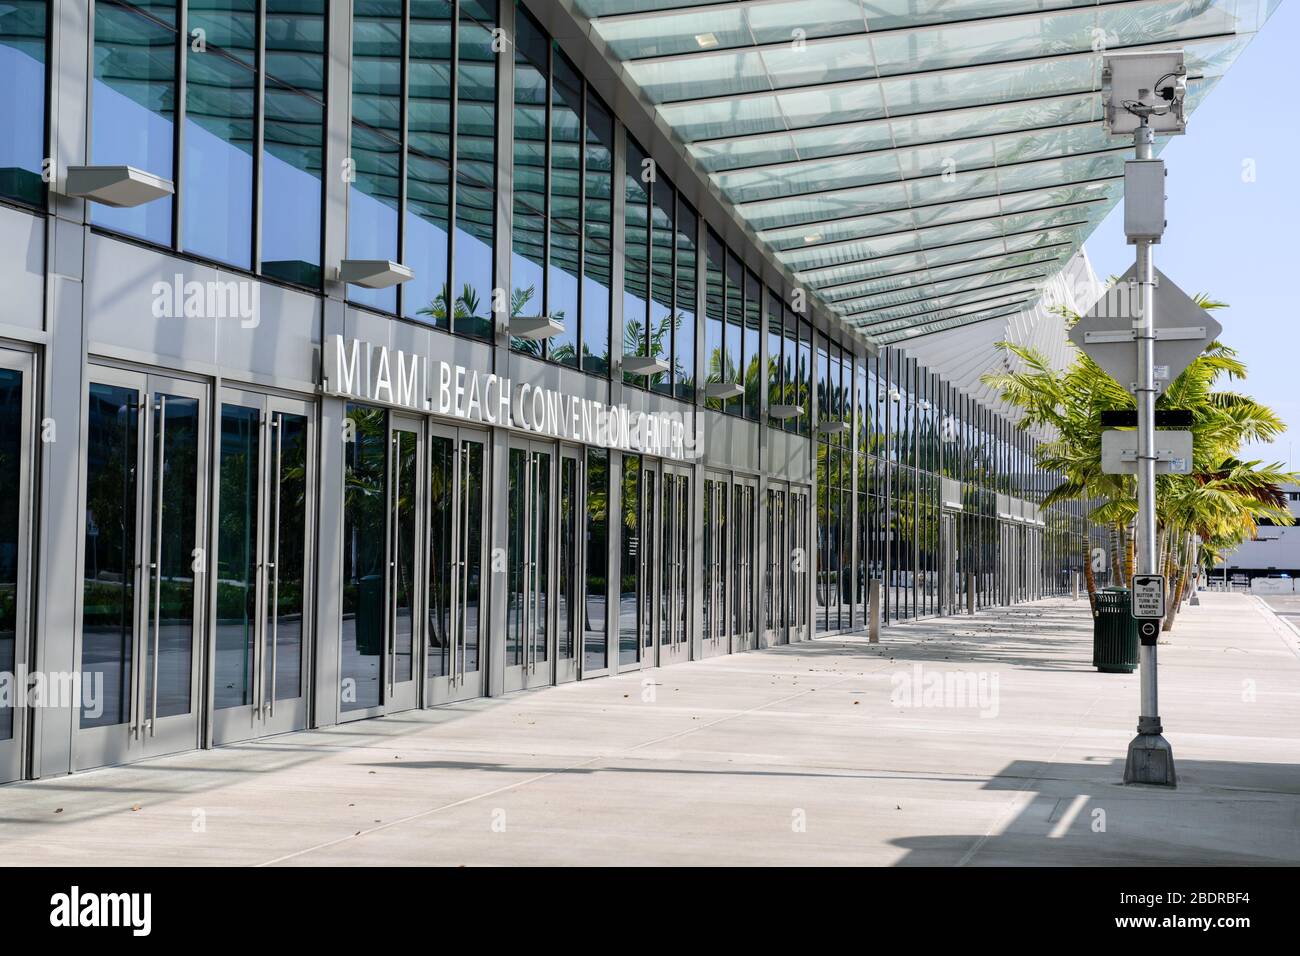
(433, 368)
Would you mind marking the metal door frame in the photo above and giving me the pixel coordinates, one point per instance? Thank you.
(532, 673)
(139, 737)
(265, 716)
(458, 684)
(13, 753)
(680, 539)
(568, 669)
(799, 530)
(776, 576)
(718, 594)
(744, 574)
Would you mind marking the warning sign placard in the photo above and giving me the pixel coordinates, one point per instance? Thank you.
(1148, 595)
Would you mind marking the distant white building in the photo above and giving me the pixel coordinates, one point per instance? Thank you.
(1275, 552)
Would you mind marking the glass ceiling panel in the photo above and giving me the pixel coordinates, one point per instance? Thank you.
(850, 252)
(927, 163)
(988, 41)
(859, 226)
(682, 32)
(764, 183)
(895, 14)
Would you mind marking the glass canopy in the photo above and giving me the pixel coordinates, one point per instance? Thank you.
(918, 164)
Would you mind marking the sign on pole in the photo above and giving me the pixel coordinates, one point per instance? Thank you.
(1108, 334)
(1119, 452)
(1148, 596)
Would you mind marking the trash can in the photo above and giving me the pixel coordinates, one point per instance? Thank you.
(1114, 633)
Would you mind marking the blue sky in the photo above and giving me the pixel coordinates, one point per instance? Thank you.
(1233, 239)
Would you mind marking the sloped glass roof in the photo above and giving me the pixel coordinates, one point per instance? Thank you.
(918, 164)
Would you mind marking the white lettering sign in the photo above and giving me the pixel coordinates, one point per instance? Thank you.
(383, 376)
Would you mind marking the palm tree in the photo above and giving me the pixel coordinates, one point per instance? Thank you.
(1217, 504)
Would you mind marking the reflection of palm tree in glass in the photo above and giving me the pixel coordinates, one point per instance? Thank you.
(721, 367)
(463, 315)
(660, 341)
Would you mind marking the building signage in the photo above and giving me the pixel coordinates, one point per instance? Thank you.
(384, 376)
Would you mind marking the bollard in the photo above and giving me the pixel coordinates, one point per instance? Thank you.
(873, 591)
(970, 594)
(1074, 580)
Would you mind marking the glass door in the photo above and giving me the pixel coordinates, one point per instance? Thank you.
(456, 596)
(528, 564)
(597, 564)
(744, 617)
(381, 563)
(568, 571)
(775, 581)
(673, 630)
(262, 625)
(798, 528)
(404, 545)
(142, 566)
(716, 618)
(16, 445)
(950, 586)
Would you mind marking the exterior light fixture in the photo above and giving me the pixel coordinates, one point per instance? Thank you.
(374, 273)
(120, 186)
(644, 365)
(782, 412)
(815, 237)
(724, 390)
(535, 327)
(833, 427)
(894, 396)
(706, 40)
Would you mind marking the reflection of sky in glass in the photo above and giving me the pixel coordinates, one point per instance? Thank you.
(218, 207)
(22, 64)
(134, 97)
(126, 133)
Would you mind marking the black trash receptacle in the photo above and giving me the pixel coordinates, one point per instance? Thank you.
(1114, 633)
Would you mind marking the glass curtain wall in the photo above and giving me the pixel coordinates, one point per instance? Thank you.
(422, 162)
(561, 257)
(222, 171)
(22, 64)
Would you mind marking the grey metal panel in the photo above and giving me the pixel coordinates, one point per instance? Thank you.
(132, 299)
(22, 269)
(280, 349)
(493, 657)
(789, 456)
(329, 546)
(59, 539)
(729, 442)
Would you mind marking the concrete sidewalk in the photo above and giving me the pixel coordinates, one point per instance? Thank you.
(1000, 745)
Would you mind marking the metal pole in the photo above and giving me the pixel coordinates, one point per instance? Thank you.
(873, 599)
(1150, 759)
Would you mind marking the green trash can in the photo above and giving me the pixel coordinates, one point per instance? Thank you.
(1114, 633)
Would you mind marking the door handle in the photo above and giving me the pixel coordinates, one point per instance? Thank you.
(157, 562)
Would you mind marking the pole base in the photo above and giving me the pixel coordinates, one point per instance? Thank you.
(1150, 761)
(1195, 600)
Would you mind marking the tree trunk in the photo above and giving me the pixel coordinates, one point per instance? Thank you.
(1177, 566)
(1130, 560)
(1090, 578)
(1116, 551)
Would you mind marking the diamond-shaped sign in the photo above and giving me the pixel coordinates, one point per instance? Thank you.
(1107, 334)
